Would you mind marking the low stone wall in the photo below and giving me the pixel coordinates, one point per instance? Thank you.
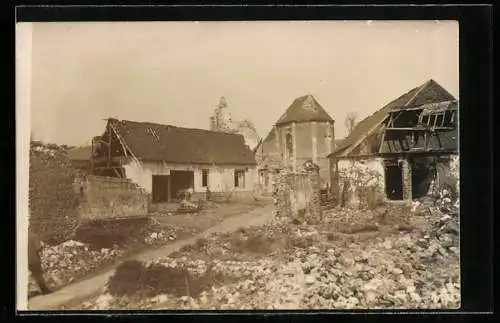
(110, 198)
(297, 194)
(361, 182)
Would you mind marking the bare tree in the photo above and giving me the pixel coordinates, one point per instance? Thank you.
(247, 125)
(350, 121)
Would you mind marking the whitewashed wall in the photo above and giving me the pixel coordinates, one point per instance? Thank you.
(220, 178)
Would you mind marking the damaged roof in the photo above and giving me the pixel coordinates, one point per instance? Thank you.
(158, 142)
(303, 109)
(427, 93)
(432, 108)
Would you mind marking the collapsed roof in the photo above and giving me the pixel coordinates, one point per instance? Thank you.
(428, 96)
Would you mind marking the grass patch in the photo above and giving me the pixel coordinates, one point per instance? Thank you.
(133, 278)
(253, 244)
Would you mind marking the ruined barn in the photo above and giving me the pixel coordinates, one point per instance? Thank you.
(80, 157)
(304, 132)
(166, 160)
(406, 150)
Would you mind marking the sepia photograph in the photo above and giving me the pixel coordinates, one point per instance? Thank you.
(237, 165)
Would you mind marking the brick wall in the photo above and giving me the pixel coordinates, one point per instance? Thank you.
(110, 198)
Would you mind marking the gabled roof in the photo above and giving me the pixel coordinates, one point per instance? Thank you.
(157, 142)
(304, 108)
(429, 92)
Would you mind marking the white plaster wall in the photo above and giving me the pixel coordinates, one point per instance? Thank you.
(220, 178)
(140, 175)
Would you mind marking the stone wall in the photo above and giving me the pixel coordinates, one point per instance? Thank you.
(361, 182)
(297, 195)
(110, 198)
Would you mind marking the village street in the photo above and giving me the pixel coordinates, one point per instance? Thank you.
(84, 289)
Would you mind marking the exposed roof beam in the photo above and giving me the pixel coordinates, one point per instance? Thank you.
(370, 131)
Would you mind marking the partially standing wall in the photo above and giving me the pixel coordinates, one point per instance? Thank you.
(105, 198)
(297, 194)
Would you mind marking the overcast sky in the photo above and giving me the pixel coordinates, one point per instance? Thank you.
(175, 72)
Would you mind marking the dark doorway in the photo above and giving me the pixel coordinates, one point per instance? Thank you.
(160, 188)
(393, 180)
(180, 180)
(422, 175)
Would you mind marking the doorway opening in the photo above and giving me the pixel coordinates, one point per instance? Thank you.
(160, 190)
(180, 180)
(393, 180)
(423, 172)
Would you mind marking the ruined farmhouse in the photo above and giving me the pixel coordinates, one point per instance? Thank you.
(304, 132)
(165, 159)
(403, 151)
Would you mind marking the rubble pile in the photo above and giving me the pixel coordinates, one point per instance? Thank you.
(159, 234)
(197, 283)
(443, 217)
(216, 245)
(72, 260)
(303, 268)
(248, 243)
(353, 220)
(391, 272)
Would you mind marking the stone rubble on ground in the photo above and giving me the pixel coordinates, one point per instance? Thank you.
(160, 235)
(394, 269)
(71, 260)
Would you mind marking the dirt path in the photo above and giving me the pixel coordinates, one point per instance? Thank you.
(80, 291)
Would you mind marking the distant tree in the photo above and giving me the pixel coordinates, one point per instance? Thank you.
(249, 127)
(350, 122)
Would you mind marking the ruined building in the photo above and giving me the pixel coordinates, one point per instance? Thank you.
(304, 132)
(221, 120)
(405, 150)
(165, 160)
